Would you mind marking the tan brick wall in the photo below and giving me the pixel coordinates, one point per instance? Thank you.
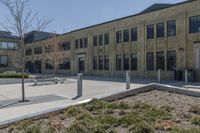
(182, 43)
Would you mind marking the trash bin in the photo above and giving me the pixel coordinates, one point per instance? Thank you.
(178, 74)
(190, 75)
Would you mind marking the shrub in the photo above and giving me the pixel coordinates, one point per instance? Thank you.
(12, 75)
(196, 120)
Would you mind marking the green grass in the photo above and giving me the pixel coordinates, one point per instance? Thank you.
(103, 117)
(196, 120)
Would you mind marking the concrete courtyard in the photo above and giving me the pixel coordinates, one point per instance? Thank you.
(47, 97)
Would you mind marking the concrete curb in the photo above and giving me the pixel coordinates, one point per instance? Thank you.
(108, 97)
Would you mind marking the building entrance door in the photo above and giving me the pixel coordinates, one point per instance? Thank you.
(81, 64)
(38, 66)
(197, 58)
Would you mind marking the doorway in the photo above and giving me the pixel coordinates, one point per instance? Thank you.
(38, 66)
(81, 64)
(197, 58)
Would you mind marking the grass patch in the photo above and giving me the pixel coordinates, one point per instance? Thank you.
(196, 120)
(182, 130)
(195, 109)
(102, 117)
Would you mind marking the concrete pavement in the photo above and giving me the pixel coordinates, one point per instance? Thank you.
(48, 97)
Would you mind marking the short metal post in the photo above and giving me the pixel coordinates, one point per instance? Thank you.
(186, 76)
(80, 85)
(128, 79)
(35, 82)
(159, 75)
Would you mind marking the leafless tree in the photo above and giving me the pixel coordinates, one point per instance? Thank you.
(54, 55)
(20, 21)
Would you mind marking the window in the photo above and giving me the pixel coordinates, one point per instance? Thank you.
(106, 62)
(118, 37)
(134, 62)
(12, 45)
(3, 61)
(95, 66)
(150, 31)
(65, 65)
(106, 38)
(100, 40)
(81, 43)
(194, 24)
(126, 62)
(77, 43)
(85, 42)
(118, 62)
(126, 36)
(65, 46)
(171, 60)
(160, 58)
(49, 48)
(150, 61)
(100, 62)
(49, 65)
(171, 28)
(160, 30)
(8, 45)
(38, 50)
(28, 51)
(134, 34)
(94, 40)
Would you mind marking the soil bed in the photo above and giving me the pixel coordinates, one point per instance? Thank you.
(149, 112)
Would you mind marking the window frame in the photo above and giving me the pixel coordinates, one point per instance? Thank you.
(126, 35)
(134, 34)
(171, 28)
(7, 61)
(160, 60)
(150, 62)
(119, 37)
(134, 61)
(150, 31)
(160, 30)
(194, 24)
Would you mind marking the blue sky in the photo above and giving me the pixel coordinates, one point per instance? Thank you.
(74, 14)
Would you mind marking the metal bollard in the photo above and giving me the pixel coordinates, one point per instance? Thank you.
(80, 85)
(128, 79)
(186, 76)
(159, 75)
(35, 82)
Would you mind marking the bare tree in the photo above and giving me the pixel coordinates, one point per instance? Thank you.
(54, 55)
(21, 21)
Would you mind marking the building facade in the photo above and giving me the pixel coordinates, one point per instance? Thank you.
(164, 36)
(8, 51)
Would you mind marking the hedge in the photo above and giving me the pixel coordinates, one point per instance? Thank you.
(12, 75)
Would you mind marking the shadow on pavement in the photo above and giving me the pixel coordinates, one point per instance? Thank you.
(31, 100)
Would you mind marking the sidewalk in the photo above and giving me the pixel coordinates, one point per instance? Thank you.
(47, 98)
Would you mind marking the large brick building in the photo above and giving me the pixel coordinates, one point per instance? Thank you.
(164, 36)
(8, 51)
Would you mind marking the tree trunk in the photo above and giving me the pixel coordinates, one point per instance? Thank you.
(23, 70)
